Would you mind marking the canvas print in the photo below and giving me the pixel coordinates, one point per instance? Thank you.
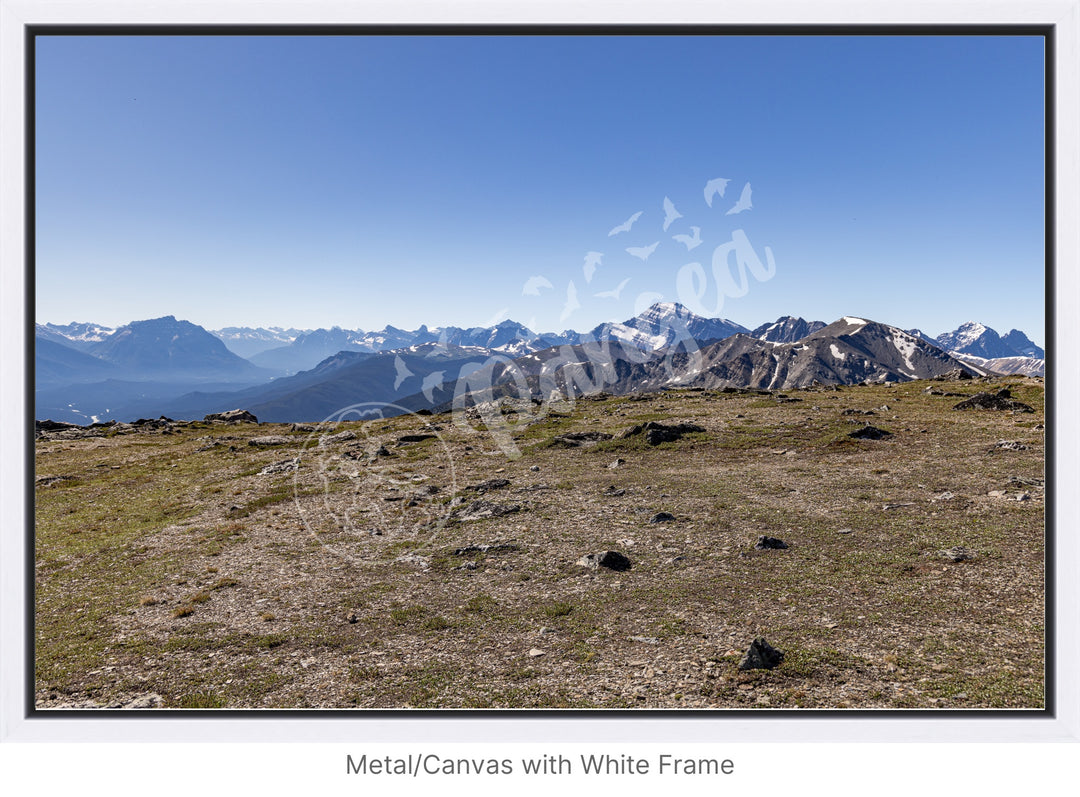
(457, 371)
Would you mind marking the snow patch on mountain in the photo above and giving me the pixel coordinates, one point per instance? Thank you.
(906, 345)
(1026, 366)
(82, 332)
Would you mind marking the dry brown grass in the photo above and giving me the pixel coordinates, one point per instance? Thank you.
(867, 611)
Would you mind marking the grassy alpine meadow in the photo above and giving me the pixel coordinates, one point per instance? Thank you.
(418, 562)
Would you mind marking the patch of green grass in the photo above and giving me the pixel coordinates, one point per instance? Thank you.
(405, 615)
(423, 687)
(522, 674)
(553, 425)
(181, 642)
(201, 700)
(277, 495)
(396, 549)
(216, 539)
(996, 689)
(674, 627)
(558, 609)
(269, 641)
(815, 662)
(481, 604)
(369, 673)
(256, 680)
(583, 652)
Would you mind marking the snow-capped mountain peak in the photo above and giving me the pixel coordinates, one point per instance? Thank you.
(665, 324)
(980, 340)
(787, 329)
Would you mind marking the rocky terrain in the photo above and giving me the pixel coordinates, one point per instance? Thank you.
(611, 552)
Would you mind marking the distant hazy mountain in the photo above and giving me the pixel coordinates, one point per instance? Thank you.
(249, 341)
(340, 381)
(80, 335)
(46, 332)
(501, 336)
(786, 329)
(148, 361)
(311, 348)
(59, 364)
(165, 347)
(1020, 343)
(83, 330)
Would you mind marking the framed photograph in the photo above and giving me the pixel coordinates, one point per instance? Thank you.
(462, 374)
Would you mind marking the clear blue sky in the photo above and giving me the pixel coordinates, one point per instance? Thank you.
(363, 181)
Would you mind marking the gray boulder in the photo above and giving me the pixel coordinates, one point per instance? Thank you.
(612, 560)
(232, 416)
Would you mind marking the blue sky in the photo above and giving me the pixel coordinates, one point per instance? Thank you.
(364, 181)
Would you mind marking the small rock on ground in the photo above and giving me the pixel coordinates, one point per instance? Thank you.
(764, 542)
(477, 510)
(869, 432)
(958, 553)
(993, 401)
(761, 656)
(612, 560)
(269, 440)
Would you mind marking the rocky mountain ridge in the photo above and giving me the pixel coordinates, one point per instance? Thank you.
(163, 364)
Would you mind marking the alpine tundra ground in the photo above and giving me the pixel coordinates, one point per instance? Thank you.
(374, 566)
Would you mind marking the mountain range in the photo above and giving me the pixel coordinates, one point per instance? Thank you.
(312, 347)
(849, 351)
(167, 366)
